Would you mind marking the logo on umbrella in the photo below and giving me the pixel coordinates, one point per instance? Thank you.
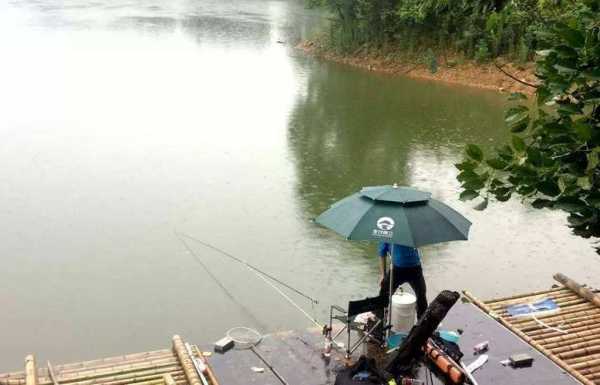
(384, 227)
(385, 223)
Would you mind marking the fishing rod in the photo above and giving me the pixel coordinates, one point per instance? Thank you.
(216, 280)
(249, 266)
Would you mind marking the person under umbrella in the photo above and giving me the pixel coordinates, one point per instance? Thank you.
(404, 219)
(406, 268)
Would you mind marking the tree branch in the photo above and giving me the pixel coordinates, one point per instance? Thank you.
(513, 77)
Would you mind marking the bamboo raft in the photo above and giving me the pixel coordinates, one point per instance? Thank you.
(570, 337)
(161, 367)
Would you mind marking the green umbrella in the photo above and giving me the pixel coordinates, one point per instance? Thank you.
(399, 215)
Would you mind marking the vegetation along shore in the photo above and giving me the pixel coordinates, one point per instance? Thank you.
(483, 43)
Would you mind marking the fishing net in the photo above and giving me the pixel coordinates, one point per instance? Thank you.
(243, 337)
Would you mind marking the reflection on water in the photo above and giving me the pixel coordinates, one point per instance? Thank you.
(124, 121)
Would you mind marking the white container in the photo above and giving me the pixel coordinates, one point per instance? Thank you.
(404, 311)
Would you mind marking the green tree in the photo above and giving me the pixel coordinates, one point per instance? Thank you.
(553, 160)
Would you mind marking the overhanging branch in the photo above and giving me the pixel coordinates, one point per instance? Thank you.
(513, 77)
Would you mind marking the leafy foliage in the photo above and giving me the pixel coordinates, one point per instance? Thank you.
(553, 159)
(480, 29)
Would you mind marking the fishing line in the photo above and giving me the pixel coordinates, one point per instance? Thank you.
(216, 280)
(249, 266)
(291, 301)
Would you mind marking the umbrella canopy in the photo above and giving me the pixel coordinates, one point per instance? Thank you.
(400, 215)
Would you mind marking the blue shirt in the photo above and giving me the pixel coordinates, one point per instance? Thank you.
(404, 256)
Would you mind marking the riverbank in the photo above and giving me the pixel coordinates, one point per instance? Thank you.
(465, 73)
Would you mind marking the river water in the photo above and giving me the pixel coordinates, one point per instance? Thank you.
(124, 121)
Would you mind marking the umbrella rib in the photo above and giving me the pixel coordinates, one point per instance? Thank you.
(354, 227)
(449, 221)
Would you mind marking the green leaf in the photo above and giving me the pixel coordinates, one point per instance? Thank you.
(569, 109)
(505, 152)
(594, 199)
(543, 95)
(503, 197)
(466, 165)
(473, 184)
(548, 188)
(497, 164)
(541, 203)
(570, 205)
(468, 195)
(518, 144)
(526, 190)
(565, 52)
(467, 175)
(517, 118)
(576, 220)
(517, 96)
(534, 156)
(583, 130)
(571, 36)
(594, 74)
(474, 152)
(584, 183)
(593, 160)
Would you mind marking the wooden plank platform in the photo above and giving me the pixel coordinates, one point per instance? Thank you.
(566, 357)
(297, 356)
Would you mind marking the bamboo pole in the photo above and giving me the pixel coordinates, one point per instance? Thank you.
(93, 373)
(179, 375)
(577, 360)
(122, 379)
(108, 360)
(107, 376)
(586, 364)
(562, 293)
(570, 336)
(30, 371)
(51, 374)
(532, 342)
(504, 299)
(169, 361)
(581, 345)
(564, 300)
(150, 359)
(563, 305)
(546, 333)
(567, 321)
(185, 361)
(211, 374)
(168, 379)
(569, 310)
(584, 292)
(576, 353)
(551, 346)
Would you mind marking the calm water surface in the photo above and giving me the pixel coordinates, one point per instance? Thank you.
(122, 122)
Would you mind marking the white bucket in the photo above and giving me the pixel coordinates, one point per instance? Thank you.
(404, 313)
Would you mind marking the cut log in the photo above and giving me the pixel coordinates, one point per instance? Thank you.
(412, 348)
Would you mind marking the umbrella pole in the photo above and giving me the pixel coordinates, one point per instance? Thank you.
(389, 310)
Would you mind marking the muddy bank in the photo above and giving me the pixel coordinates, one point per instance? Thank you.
(465, 73)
